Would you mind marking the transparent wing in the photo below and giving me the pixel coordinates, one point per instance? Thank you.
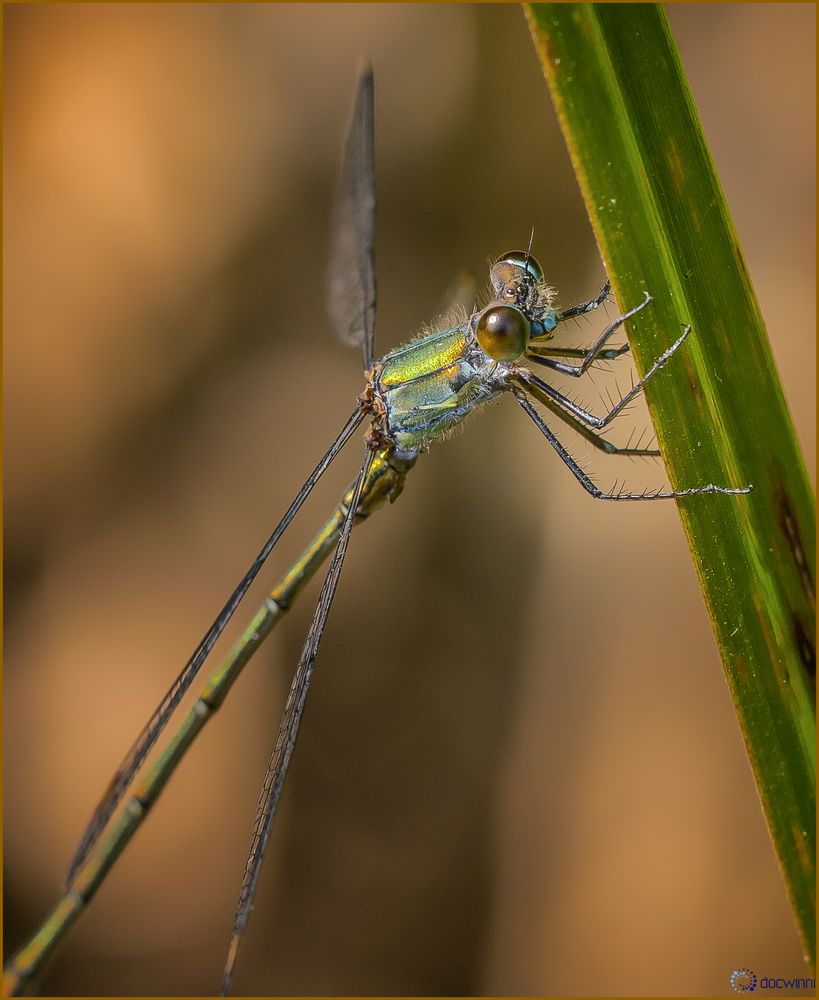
(135, 757)
(462, 295)
(351, 274)
(286, 736)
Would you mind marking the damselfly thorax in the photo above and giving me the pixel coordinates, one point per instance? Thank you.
(418, 393)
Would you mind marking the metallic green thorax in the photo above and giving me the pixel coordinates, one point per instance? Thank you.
(420, 391)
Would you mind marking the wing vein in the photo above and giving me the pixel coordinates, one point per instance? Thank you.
(351, 290)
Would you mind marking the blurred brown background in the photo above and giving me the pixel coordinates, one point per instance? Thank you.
(519, 771)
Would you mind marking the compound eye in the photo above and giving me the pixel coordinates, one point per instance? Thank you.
(503, 332)
(519, 259)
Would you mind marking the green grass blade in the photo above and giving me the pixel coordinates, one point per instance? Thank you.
(662, 225)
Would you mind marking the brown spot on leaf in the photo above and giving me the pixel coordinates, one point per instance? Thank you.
(806, 649)
(801, 849)
(790, 528)
(740, 665)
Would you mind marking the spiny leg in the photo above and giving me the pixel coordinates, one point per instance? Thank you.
(593, 352)
(537, 386)
(611, 354)
(595, 439)
(586, 307)
(286, 737)
(595, 491)
(139, 750)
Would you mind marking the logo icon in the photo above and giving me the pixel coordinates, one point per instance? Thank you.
(743, 980)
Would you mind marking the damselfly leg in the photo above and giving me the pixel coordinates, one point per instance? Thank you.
(595, 491)
(594, 439)
(586, 307)
(594, 352)
(609, 354)
(580, 420)
(538, 388)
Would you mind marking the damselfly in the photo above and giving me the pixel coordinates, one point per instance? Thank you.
(412, 397)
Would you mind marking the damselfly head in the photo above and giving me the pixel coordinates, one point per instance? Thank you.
(518, 282)
(515, 266)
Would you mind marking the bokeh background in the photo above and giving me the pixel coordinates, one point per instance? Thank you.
(519, 771)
